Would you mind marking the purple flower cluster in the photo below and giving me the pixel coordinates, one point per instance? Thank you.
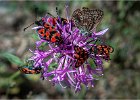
(58, 62)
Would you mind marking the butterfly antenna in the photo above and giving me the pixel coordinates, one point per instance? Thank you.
(28, 26)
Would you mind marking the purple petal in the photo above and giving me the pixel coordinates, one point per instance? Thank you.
(101, 32)
(35, 28)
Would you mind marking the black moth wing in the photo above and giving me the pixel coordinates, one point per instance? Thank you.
(26, 70)
(80, 55)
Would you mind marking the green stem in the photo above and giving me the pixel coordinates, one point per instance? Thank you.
(10, 80)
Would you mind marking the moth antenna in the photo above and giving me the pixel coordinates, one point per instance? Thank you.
(67, 8)
(36, 11)
(28, 26)
(57, 12)
(49, 14)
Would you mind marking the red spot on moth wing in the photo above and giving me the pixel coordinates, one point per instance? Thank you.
(58, 34)
(47, 36)
(53, 39)
(41, 31)
(76, 56)
(111, 49)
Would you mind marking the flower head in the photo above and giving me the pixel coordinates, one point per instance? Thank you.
(67, 60)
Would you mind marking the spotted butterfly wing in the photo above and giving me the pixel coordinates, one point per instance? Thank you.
(77, 18)
(97, 16)
(87, 19)
(81, 55)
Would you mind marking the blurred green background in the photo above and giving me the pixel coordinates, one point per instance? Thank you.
(121, 78)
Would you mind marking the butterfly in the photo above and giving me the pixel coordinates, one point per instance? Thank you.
(87, 19)
(81, 55)
(27, 70)
(102, 51)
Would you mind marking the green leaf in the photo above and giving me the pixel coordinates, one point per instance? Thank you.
(10, 57)
(35, 37)
(53, 65)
